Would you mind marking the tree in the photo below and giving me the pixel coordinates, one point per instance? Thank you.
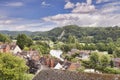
(109, 40)
(80, 69)
(118, 42)
(29, 42)
(112, 70)
(111, 47)
(101, 47)
(79, 46)
(66, 48)
(42, 47)
(12, 67)
(26, 49)
(94, 60)
(72, 39)
(111, 64)
(104, 61)
(117, 52)
(90, 46)
(86, 63)
(23, 40)
(4, 38)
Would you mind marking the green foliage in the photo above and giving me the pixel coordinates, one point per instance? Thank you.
(101, 47)
(28, 76)
(26, 49)
(109, 40)
(118, 42)
(42, 47)
(86, 63)
(117, 52)
(111, 64)
(72, 39)
(74, 60)
(104, 61)
(98, 62)
(12, 67)
(68, 47)
(4, 38)
(94, 60)
(90, 46)
(111, 70)
(111, 47)
(81, 69)
(110, 51)
(84, 34)
(58, 45)
(69, 58)
(23, 40)
(79, 46)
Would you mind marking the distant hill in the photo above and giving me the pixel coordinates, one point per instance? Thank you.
(82, 33)
(15, 33)
(68, 75)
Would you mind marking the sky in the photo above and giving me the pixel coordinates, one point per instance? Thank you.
(44, 15)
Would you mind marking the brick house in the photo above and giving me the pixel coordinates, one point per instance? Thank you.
(4, 48)
(74, 66)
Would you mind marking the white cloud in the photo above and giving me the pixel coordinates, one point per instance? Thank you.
(84, 19)
(101, 1)
(69, 5)
(14, 4)
(45, 4)
(19, 24)
(110, 8)
(21, 27)
(89, 2)
(83, 8)
(82, 14)
(6, 22)
(80, 7)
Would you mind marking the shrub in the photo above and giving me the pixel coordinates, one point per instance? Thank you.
(111, 70)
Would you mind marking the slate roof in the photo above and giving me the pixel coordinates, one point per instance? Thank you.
(116, 59)
(3, 46)
(70, 75)
(12, 47)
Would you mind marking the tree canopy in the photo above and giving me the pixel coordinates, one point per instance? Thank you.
(23, 41)
(4, 38)
(12, 67)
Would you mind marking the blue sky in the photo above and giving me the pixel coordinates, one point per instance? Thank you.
(43, 15)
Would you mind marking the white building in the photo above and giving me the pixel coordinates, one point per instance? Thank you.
(15, 49)
(56, 54)
(58, 66)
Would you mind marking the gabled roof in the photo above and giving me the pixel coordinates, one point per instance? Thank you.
(12, 47)
(58, 66)
(66, 65)
(71, 75)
